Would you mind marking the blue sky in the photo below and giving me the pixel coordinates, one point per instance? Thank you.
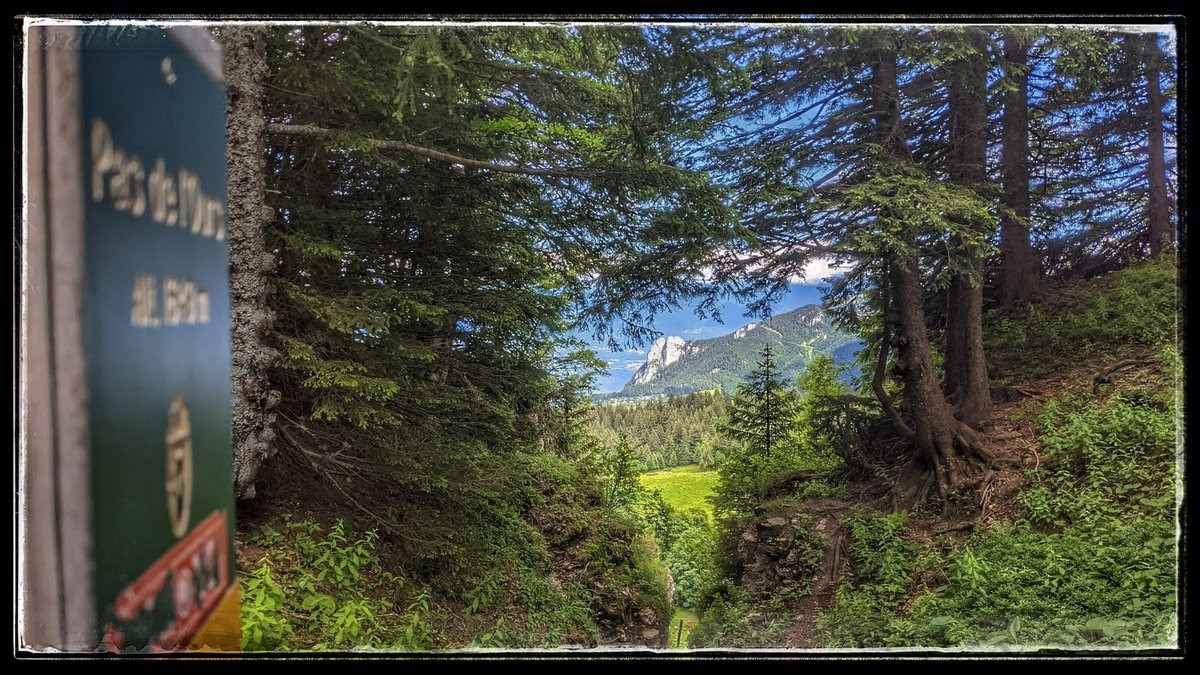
(684, 323)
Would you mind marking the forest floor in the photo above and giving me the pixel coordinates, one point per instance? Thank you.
(1010, 438)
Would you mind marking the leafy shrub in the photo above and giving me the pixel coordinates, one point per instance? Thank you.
(692, 563)
(264, 628)
(1102, 461)
(884, 561)
(335, 591)
(1111, 315)
(1112, 585)
(858, 617)
(603, 564)
(662, 521)
(734, 621)
(747, 480)
(624, 564)
(882, 556)
(1093, 561)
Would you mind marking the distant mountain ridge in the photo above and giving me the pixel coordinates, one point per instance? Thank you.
(677, 366)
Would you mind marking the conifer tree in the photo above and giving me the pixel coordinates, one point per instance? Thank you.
(441, 206)
(1020, 268)
(762, 411)
(1102, 159)
(619, 474)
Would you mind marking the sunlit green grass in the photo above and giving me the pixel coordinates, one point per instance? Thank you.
(683, 487)
(689, 619)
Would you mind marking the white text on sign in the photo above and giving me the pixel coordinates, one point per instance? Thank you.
(183, 304)
(175, 201)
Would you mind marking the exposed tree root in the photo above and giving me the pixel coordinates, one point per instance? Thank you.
(1102, 376)
(954, 462)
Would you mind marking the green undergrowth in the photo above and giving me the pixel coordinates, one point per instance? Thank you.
(884, 564)
(731, 619)
(1109, 318)
(1090, 559)
(563, 568)
(606, 566)
(328, 591)
(691, 559)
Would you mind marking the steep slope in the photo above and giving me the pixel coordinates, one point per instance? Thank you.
(677, 366)
(1070, 542)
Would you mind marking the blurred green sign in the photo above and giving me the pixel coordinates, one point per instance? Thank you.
(156, 316)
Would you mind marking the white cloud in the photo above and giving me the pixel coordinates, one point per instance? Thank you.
(818, 270)
(694, 331)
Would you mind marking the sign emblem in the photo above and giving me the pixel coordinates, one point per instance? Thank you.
(179, 466)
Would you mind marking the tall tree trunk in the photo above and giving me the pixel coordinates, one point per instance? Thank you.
(443, 344)
(1020, 270)
(966, 370)
(953, 360)
(944, 446)
(1158, 210)
(249, 260)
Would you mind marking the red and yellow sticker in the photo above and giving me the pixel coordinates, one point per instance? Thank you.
(194, 577)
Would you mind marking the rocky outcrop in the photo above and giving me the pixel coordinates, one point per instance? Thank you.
(796, 549)
(812, 317)
(630, 589)
(741, 332)
(647, 627)
(661, 354)
(632, 614)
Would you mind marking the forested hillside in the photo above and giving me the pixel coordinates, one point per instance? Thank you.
(971, 442)
(722, 362)
(664, 432)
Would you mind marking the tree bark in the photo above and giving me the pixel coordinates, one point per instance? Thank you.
(944, 446)
(1158, 210)
(966, 370)
(1020, 270)
(954, 361)
(250, 261)
(885, 344)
